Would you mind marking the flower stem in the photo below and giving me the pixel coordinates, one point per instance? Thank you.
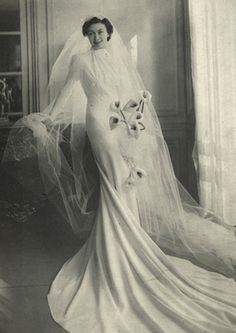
(123, 116)
(142, 106)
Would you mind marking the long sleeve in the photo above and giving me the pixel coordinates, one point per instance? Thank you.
(72, 77)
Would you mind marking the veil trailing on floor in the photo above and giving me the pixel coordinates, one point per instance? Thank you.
(57, 136)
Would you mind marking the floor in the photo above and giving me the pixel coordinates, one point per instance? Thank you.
(31, 253)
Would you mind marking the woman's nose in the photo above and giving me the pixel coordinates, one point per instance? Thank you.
(96, 37)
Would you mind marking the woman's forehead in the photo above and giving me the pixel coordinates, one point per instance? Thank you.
(96, 26)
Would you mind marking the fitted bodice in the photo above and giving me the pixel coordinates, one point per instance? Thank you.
(99, 75)
(103, 76)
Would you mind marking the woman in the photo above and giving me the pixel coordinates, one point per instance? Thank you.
(121, 280)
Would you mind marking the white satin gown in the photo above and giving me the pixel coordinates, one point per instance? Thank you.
(121, 281)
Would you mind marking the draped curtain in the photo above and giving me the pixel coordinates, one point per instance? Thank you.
(213, 59)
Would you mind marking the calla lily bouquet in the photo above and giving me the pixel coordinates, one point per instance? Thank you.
(131, 114)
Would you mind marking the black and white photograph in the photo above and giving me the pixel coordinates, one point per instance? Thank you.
(117, 166)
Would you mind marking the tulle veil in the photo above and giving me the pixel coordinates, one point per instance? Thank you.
(57, 137)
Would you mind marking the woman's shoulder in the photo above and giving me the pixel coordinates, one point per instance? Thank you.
(81, 59)
(80, 63)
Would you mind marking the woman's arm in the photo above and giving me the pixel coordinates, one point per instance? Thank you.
(66, 91)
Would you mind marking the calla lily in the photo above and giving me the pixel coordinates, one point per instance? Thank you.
(139, 116)
(115, 106)
(114, 121)
(140, 172)
(136, 116)
(145, 96)
(130, 105)
(134, 129)
(136, 175)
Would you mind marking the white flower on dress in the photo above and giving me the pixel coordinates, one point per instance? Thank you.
(115, 106)
(114, 121)
(130, 106)
(131, 114)
(134, 128)
(145, 96)
(136, 175)
(115, 117)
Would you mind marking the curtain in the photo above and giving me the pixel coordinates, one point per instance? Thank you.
(213, 59)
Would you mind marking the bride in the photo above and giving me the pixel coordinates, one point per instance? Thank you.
(154, 261)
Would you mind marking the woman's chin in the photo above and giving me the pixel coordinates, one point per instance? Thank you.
(99, 46)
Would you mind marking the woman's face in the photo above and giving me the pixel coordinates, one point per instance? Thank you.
(97, 35)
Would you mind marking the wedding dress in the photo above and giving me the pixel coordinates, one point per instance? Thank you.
(130, 275)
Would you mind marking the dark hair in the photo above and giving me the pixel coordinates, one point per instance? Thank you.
(94, 20)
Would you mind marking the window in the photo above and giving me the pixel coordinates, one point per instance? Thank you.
(13, 95)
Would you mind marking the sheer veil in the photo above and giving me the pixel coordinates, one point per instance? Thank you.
(57, 136)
